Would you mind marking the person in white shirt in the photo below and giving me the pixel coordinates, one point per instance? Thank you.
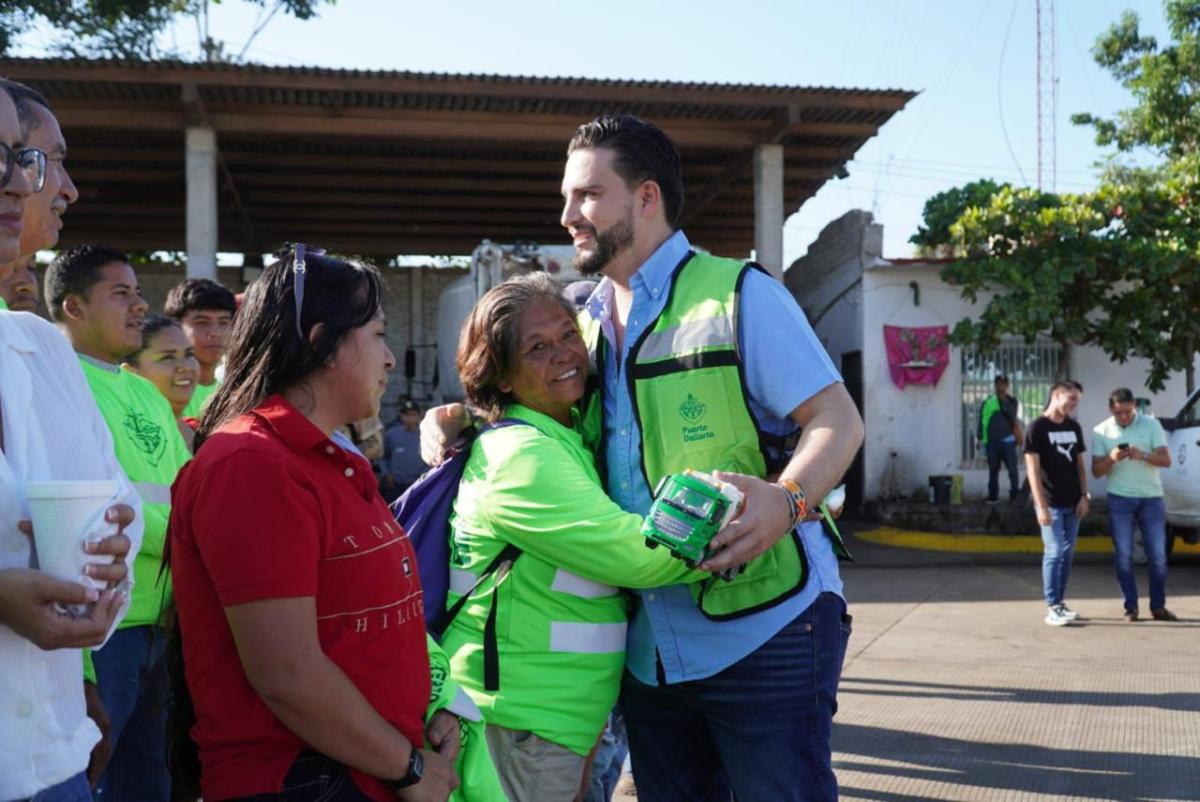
(50, 428)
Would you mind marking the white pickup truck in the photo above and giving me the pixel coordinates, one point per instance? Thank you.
(1181, 482)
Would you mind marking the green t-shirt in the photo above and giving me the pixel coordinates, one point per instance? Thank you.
(199, 399)
(3, 304)
(1129, 477)
(151, 451)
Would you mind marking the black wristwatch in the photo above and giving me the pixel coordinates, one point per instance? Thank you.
(416, 767)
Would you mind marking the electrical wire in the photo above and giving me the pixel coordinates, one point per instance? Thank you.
(1000, 91)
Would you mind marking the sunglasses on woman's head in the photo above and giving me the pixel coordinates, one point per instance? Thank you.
(299, 271)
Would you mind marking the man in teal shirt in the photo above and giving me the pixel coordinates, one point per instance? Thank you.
(1130, 448)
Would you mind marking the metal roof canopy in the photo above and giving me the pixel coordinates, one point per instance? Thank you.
(387, 163)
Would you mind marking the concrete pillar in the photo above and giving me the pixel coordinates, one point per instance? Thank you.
(201, 173)
(768, 208)
(416, 329)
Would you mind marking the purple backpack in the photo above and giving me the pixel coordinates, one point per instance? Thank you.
(424, 512)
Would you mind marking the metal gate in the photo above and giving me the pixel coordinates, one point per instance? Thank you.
(1031, 369)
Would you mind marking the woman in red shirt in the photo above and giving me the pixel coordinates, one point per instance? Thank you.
(300, 608)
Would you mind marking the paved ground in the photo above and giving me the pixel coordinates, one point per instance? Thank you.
(954, 688)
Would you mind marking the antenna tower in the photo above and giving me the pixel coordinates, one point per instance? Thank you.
(1047, 98)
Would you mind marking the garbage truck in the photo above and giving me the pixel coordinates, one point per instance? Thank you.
(491, 264)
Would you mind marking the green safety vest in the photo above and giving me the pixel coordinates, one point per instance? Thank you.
(686, 379)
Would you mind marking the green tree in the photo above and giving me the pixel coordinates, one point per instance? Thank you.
(1154, 313)
(1164, 82)
(130, 28)
(1151, 309)
(1119, 267)
(1043, 259)
(943, 210)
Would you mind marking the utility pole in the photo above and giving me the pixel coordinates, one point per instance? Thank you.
(1047, 98)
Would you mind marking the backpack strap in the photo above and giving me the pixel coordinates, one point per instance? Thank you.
(507, 555)
(500, 565)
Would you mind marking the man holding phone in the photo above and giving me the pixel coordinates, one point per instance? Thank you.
(1130, 448)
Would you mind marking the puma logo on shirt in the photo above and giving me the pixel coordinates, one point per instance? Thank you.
(1064, 443)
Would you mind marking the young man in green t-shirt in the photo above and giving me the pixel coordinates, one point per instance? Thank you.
(205, 310)
(93, 295)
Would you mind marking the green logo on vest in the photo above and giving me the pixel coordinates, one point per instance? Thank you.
(147, 435)
(692, 409)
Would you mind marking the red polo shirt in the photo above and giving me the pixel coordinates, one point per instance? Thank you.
(271, 508)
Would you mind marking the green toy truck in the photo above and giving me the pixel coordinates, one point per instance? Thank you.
(689, 509)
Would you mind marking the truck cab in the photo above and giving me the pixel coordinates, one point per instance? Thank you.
(1181, 482)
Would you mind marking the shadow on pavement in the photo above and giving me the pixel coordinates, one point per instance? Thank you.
(1187, 702)
(996, 768)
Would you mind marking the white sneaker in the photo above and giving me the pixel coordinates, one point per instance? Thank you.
(1068, 612)
(1055, 616)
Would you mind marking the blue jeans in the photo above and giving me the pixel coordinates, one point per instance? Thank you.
(761, 728)
(1150, 514)
(75, 789)
(1005, 452)
(1059, 541)
(609, 760)
(132, 679)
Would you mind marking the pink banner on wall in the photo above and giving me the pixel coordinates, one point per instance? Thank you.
(918, 354)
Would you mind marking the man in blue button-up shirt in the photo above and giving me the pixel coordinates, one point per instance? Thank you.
(709, 705)
(747, 704)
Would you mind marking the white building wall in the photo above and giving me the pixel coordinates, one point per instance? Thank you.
(923, 425)
(920, 424)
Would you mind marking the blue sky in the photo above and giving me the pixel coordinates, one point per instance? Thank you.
(952, 51)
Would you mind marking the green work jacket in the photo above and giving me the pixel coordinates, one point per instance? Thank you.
(559, 617)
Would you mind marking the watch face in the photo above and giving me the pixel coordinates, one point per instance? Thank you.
(416, 767)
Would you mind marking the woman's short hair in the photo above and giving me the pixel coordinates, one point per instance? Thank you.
(487, 346)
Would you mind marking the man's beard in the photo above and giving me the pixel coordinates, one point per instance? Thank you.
(609, 244)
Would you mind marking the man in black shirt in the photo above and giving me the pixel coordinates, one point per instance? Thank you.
(1054, 449)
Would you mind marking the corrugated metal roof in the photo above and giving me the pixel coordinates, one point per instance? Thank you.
(164, 65)
(467, 156)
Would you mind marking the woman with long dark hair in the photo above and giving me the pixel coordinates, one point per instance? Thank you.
(299, 603)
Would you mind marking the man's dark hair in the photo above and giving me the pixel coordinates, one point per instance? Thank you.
(25, 98)
(198, 294)
(1121, 395)
(641, 152)
(74, 272)
(1076, 385)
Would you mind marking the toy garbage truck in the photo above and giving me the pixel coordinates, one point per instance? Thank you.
(689, 508)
